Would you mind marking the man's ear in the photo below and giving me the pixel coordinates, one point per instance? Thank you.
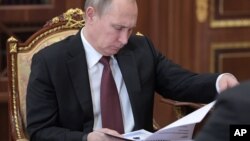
(90, 13)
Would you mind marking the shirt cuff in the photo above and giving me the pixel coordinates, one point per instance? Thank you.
(218, 80)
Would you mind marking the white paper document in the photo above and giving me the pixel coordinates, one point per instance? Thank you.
(180, 130)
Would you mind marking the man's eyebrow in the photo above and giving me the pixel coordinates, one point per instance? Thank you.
(122, 26)
(117, 25)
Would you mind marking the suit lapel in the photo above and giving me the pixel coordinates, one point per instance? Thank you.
(130, 75)
(78, 70)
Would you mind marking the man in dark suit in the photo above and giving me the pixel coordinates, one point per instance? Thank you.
(231, 108)
(63, 94)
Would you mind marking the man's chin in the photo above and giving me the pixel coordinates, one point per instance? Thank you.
(114, 51)
(110, 53)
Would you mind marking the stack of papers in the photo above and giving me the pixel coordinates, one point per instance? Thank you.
(180, 130)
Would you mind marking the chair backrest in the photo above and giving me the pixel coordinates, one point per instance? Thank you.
(19, 57)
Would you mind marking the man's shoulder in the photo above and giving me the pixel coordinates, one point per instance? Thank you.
(137, 37)
(136, 41)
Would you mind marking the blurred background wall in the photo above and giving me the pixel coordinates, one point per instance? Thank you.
(201, 35)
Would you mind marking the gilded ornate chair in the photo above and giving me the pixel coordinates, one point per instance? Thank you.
(19, 59)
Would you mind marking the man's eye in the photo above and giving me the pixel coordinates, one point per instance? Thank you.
(118, 28)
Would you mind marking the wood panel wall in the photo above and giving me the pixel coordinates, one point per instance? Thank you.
(201, 35)
(229, 37)
(171, 24)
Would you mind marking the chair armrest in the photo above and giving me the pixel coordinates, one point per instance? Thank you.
(182, 108)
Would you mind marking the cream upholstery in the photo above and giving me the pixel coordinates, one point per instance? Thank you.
(19, 61)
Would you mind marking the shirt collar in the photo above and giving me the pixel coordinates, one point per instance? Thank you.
(92, 55)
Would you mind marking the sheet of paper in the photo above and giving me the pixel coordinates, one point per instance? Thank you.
(194, 117)
(179, 130)
(183, 132)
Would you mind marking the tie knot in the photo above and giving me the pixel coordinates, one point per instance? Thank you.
(105, 60)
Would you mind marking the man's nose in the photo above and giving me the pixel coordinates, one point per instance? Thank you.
(124, 37)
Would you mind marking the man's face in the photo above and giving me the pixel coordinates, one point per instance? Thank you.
(113, 28)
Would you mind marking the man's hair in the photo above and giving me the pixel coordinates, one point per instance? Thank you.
(99, 5)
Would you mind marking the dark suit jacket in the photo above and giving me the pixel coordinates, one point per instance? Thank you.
(232, 107)
(59, 105)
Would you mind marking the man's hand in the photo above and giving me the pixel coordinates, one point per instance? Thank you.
(226, 81)
(101, 135)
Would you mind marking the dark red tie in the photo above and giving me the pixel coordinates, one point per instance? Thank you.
(110, 103)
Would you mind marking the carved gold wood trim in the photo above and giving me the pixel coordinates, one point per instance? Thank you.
(13, 50)
(229, 23)
(201, 10)
(139, 34)
(72, 23)
(15, 97)
(179, 112)
(39, 37)
(12, 44)
(244, 22)
(227, 45)
(74, 18)
(13, 47)
(43, 35)
(12, 39)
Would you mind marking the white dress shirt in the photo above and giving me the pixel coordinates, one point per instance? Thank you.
(95, 69)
